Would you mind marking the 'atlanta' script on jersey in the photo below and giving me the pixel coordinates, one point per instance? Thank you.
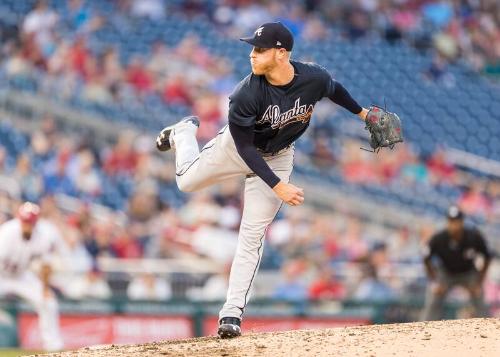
(277, 119)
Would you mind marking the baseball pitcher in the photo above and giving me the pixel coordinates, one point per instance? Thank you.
(268, 111)
(25, 241)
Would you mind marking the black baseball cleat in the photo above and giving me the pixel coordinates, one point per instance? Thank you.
(163, 139)
(229, 327)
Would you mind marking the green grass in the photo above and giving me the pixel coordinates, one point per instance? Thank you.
(16, 352)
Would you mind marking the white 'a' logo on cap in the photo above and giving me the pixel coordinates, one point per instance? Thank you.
(278, 43)
(259, 31)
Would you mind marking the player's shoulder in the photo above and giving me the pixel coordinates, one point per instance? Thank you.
(10, 225)
(311, 69)
(473, 233)
(247, 88)
(439, 237)
(10, 234)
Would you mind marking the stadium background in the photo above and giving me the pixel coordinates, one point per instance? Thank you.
(86, 85)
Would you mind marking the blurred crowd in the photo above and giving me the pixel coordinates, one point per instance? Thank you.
(187, 75)
(408, 169)
(454, 29)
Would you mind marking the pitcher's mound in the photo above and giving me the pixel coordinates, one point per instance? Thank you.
(454, 338)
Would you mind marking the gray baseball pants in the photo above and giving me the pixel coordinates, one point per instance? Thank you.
(434, 302)
(219, 161)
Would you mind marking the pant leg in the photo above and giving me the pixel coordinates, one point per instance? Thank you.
(434, 302)
(48, 315)
(217, 161)
(469, 281)
(260, 207)
(30, 288)
(480, 308)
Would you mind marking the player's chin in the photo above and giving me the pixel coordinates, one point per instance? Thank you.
(256, 71)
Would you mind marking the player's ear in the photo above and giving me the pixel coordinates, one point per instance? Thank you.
(282, 53)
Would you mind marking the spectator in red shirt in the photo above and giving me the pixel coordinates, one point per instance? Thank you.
(355, 165)
(388, 167)
(138, 76)
(176, 91)
(32, 52)
(78, 57)
(441, 169)
(207, 108)
(126, 246)
(326, 286)
(123, 158)
(474, 201)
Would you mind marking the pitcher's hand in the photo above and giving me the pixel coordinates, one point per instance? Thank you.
(289, 193)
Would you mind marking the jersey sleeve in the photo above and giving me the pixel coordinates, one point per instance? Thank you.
(429, 249)
(330, 86)
(327, 83)
(243, 139)
(481, 245)
(337, 93)
(243, 106)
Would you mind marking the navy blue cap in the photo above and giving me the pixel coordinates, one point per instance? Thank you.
(271, 35)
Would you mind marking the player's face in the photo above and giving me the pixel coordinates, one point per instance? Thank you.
(27, 230)
(263, 60)
(455, 227)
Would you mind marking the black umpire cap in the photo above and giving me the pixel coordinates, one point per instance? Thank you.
(271, 35)
(454, 213)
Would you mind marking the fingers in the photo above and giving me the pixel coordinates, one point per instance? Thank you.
(299, 196)
(291, 194)
(297, 200)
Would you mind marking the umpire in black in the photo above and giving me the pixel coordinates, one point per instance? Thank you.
(455, 256)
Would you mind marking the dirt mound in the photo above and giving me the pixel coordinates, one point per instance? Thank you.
(473, 337)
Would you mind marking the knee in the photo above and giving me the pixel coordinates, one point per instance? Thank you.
(251, 243)
(249, 248)
(253, 233)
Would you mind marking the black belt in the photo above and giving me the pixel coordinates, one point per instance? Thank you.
(267, 154)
